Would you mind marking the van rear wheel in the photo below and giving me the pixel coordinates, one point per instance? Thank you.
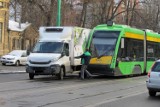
(31, 76)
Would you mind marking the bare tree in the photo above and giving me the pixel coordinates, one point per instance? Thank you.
(14, 10)
(150, 14)
(88, 13)
(100, 11)
(44, 12)
(83, 13)
(38, 11)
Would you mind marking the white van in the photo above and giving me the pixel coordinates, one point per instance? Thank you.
(55, 51)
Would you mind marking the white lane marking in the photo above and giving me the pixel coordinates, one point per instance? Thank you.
(7, 71)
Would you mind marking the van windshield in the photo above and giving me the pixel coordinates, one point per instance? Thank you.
(48, 47)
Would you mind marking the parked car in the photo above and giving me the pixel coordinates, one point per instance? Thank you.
(153, 81)
(16, 57)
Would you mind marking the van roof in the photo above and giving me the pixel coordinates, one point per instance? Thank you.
(55, 33)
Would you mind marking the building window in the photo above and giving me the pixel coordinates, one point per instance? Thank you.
(1, 4)
(13, 43)
(17, 44)
(0, 32)
(5, 5)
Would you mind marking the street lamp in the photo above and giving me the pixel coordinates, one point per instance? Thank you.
(59, 13)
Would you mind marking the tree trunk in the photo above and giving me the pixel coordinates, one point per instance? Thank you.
(83, 14)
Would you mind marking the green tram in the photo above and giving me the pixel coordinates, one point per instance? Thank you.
(120, 50)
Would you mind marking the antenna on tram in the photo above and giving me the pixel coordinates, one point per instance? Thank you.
(110, 23)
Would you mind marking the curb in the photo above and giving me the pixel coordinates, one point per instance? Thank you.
(10, 72)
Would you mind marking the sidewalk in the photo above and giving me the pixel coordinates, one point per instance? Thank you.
(10, 72)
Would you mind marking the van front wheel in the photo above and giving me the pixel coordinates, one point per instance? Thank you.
(31, 76)
(61, 74)
(3, 64)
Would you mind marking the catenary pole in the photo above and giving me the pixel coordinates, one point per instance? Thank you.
(59, 13)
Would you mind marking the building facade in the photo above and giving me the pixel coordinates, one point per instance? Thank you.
(21, 36)
(4, 16)
(14, 35)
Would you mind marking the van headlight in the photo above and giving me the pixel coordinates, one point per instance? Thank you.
(54, 59)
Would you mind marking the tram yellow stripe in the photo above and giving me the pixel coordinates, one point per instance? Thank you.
(134, 36)
(141, 37)
(153, 39)
(102, 60)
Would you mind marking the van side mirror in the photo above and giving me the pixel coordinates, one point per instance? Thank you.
(23, 56)
(63, 54)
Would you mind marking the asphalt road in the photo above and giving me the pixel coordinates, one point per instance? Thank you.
(16, 90)
(140, 100)
(11, 69)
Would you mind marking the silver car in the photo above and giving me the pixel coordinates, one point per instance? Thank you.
(16, 57)
(153, 81)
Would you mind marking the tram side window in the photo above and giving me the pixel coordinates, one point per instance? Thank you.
(157, 51)
(132, 51)
(137, 50)
(122, 52)
(153, 51)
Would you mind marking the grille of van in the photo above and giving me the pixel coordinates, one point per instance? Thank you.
(34, 62)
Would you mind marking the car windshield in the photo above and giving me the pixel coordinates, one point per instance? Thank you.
(48, 47)
(156, 67)
(16, 53)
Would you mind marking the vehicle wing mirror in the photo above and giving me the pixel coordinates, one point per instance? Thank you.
(63, 54)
